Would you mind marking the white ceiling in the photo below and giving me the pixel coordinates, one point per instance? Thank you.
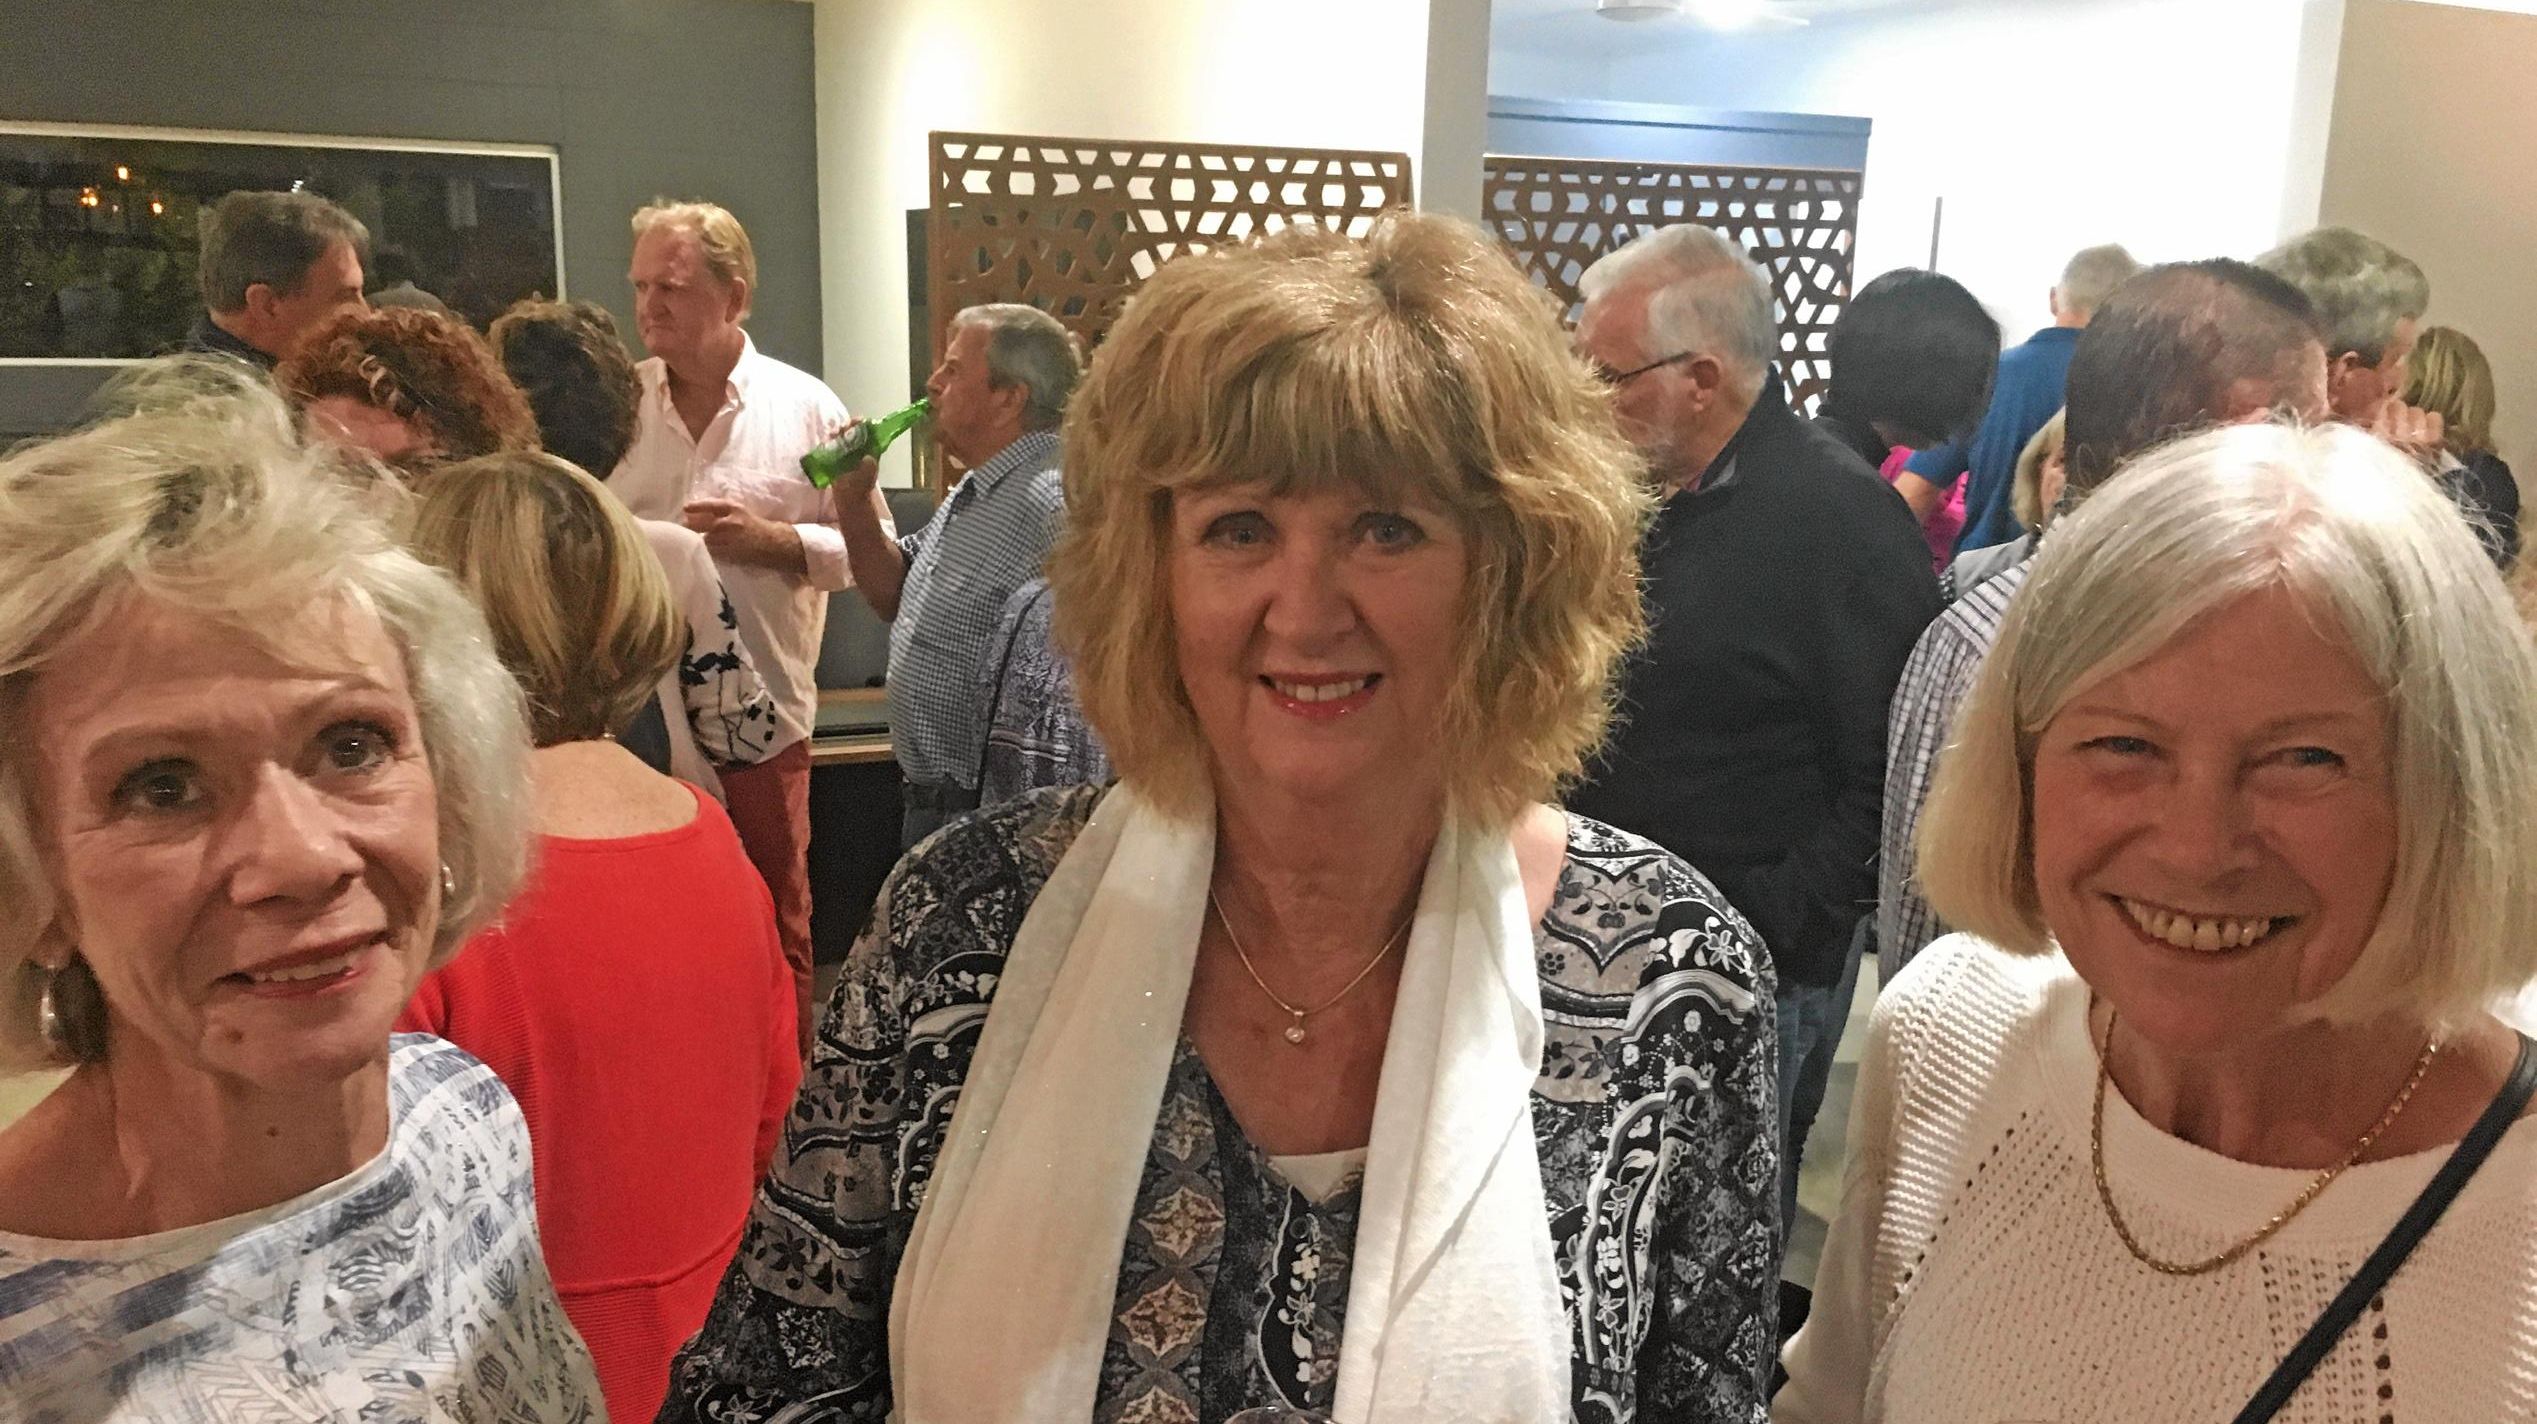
(1570, 29)
(1505, 10)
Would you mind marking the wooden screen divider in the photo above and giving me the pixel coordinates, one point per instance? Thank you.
(1800, 224)
(1071, 225)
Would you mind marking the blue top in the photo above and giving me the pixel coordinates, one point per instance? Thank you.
(2023, 399)
(1036, 734)
(985, 541)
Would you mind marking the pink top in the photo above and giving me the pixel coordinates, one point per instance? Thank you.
(1944, 523)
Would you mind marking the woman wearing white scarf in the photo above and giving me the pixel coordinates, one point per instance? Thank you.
(1318, 1069)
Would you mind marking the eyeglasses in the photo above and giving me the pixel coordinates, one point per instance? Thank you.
(1622, 378)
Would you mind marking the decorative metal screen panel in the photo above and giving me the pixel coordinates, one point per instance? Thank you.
(1801, 224)
(1071, 225)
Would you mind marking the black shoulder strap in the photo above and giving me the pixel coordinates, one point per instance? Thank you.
(2409, 1231)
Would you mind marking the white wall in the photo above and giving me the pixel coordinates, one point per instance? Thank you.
(1343, 73)
(2434, 122)
(2181, 128)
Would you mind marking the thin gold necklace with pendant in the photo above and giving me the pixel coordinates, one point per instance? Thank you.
(1295, 1033)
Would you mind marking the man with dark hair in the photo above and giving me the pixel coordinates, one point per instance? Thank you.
(2025, 395)
(2180, 347)
(1912, 357)
(2201, 344)
(274, 267)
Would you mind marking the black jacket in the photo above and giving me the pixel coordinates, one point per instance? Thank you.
(1785, 592)
(207, 337)
(2488, 494)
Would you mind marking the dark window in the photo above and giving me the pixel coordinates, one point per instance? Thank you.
(97, 232)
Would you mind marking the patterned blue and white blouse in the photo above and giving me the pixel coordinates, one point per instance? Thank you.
(1655, 1116)
(412, 1289)
(1036, 734)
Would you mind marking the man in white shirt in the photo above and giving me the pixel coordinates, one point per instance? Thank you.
(719, 436)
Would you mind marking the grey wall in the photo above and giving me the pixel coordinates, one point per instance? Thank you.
(692, 98)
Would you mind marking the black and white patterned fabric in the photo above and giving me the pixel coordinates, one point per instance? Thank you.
(412, 1289)
(1655, 1118)
(729, 710)
(988, 539)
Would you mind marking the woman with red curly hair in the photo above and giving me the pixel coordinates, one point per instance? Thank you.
(415, 388)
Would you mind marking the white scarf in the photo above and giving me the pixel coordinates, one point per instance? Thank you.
(1004, 1299)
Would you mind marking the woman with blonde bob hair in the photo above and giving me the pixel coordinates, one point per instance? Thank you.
(635, 995)
(258, 773)
(2448, 375)
(1318, 1069)
(2238, 821)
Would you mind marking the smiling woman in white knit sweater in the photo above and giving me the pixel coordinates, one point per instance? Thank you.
(2239, 818)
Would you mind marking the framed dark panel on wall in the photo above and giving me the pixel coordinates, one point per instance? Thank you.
(98, 225)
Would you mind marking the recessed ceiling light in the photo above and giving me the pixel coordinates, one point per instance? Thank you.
(1716, 14)
(1634, 10)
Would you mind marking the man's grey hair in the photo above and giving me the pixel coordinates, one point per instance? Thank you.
(2093, 275)
(2360, 286)
(1029, 348)
(1708, 298)
(273, 238)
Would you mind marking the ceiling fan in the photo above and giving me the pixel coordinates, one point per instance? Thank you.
(1716, 14)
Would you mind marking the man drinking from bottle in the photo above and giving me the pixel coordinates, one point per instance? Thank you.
(998, 397)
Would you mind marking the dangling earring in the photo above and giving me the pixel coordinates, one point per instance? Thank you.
(48, 1017)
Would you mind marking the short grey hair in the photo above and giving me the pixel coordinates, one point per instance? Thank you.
(2381, 558)
(1708, 296)
(2093, 274)
(2360, 286)
(272, 238)
(1029, 348)
(197, 491)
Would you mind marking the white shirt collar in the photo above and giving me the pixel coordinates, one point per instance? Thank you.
(735, 388)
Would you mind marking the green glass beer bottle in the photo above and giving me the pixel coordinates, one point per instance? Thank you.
(863, 440)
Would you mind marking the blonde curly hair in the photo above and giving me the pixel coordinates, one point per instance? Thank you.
(1415, 363)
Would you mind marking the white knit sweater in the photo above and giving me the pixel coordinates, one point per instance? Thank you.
(1973, 1279)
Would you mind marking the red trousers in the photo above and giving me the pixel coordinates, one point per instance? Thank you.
(770, 807)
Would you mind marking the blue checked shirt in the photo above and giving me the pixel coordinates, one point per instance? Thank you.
(1935, 683)
(985, 541)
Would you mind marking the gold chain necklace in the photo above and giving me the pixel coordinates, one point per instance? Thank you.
(2264, 1233)
(1295, 1031)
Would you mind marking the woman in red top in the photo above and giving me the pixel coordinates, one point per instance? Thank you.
(634, 998)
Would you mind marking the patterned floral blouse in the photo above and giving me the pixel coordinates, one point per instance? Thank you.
(412, 1289)
(1654, 1115)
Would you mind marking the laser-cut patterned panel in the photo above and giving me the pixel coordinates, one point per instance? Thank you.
(1800, 224)
(1071, 225)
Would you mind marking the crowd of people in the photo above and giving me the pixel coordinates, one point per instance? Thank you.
(1399, 796)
